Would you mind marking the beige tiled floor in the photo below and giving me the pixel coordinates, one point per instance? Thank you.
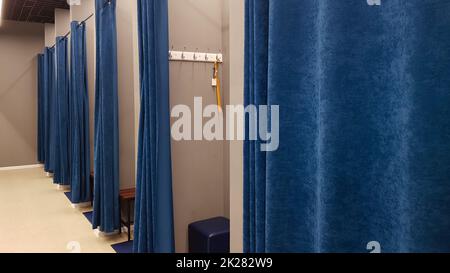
(36, 217)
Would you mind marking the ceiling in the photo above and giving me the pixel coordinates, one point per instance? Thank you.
(40, 11)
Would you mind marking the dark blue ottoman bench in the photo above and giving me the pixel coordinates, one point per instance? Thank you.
(210, 236)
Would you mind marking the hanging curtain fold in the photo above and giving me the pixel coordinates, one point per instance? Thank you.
(154, 206)
(364, 157)
(50, 109)
(80, 169)
(256, 48)
(41, 109)
(61, 112)
(106, 215)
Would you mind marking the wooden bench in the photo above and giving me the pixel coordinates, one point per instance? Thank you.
(127, 196)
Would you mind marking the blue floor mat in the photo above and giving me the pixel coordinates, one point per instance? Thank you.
(69, 196)
(123, 248)
(88, 216)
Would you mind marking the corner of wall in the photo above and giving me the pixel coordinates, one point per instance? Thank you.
(236, 48)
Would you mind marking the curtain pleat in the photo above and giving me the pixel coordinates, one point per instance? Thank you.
(41, 109)
(364, 151)
(256, 83)
(79, 117)
(154, 231)
(50, 113)
(106, 215)
(61, 112)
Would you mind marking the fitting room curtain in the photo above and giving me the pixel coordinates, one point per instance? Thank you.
(364, 156)
(106, 215)
(49, 88)
(61, 126)
(154, 206)
(41, 109)
(80, 170)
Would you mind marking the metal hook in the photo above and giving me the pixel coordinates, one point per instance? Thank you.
(182, 54)
(195, 54)
(170, 52)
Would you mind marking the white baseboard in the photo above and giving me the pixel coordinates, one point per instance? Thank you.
(100, 234)
(81, 205)
(63, 188)
(14, 168)
(125, 229)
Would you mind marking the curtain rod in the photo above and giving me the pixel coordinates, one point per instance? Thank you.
(89, 17)
(68, 33)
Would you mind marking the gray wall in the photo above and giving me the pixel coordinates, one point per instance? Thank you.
(125, 55)
(226, 100)
(234, 58)
(49, 35)
(62, 22)
(19, 45)
(199, 180)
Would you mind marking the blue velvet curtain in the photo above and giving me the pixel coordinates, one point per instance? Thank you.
(154, 206)
(41, 109)
(50, 109)
(61, 112)
(80, 169)
(106, 215)
(364, 156)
